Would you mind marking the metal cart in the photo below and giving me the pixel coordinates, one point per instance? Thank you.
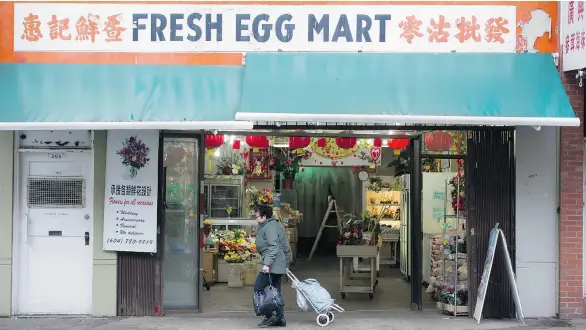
(357, 282)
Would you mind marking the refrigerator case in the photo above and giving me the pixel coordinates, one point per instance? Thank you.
(220, 193)
(432, 196)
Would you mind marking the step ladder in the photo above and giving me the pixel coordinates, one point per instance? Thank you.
(332, 208)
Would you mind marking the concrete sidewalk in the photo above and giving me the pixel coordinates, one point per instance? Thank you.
(391, 320)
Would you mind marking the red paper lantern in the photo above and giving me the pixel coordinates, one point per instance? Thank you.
(213, 141)
(236, 145)
(321, 143)
(346, 143)
(398, 144)
(299, 142)
(257, 141)
(378, 142)
(438, 141)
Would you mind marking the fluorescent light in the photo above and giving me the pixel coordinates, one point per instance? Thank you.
(109, 125)
(410, 119)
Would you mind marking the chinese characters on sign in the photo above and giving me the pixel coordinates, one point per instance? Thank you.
(86, 28)
(130, 190)
(130, 210)
(241, 28)
(573, 35)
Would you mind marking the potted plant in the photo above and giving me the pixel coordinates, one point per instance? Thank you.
(288, 164)
(357, 235)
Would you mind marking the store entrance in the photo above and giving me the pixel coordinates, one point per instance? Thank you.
(363, 178)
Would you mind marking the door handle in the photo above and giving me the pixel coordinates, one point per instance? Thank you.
(87, 238)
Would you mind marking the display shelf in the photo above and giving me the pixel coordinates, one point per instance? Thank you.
(452, 233)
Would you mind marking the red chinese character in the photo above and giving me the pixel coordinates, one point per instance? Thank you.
(113, 29)
(410, 28)
(572, 38)
(583, 39)
(578, 41)
(567, 43)
(495, 28)
(468, 29)
(571, 12)
(580, 10)
(58, 27)
(32, 28)
(87, 29)
(437, 31)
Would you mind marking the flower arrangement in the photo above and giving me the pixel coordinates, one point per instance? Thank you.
(134, 154)
(458, 184)
(288, 163)
(207, 227)
(255, 197)
(230, 166)
(235, 246)
(286, 211)
(354, 227)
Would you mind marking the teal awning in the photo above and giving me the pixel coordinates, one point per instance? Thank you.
(459, 89)
(119, 96)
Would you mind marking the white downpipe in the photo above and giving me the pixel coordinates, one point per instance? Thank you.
(409, 119)
(106, 125)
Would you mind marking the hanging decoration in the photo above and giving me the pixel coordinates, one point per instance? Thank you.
(377, 143)
(375, 153)
(236, 144)
(211, 142)
(299, 142)
(257, 142)
(321, 143)
(346, 143)
(438, 141)
(398, 144)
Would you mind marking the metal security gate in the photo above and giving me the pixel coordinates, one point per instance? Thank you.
(490, 170)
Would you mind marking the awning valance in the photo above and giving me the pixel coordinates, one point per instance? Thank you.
(457, 89)
(79, 96)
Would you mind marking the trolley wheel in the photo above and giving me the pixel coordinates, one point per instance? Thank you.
(370, 295)
(331, 317)
(322, 320)
(343, 295)
(376, 283)
(207, 287)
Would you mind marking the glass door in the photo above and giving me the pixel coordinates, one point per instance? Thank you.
(181, 226)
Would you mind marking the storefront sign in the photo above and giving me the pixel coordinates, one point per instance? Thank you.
(130, 208)
(573, 20)
(151, 28)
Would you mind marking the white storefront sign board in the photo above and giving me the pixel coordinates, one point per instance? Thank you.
(573, 34)
(130, 207)
(152, 28)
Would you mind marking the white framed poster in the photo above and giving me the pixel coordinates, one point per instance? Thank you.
(130, 207)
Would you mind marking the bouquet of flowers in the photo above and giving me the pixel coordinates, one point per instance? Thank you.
(134, 154)
(207, 227)
(288, 163)
(231, 166)
(255, 197)
(457, 183)
(235, 246)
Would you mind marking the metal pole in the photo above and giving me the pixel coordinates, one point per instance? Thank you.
(416, 225)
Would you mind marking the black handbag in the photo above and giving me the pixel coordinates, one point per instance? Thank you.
(271, 300)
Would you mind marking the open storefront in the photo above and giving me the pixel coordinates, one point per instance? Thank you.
(443, 115)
